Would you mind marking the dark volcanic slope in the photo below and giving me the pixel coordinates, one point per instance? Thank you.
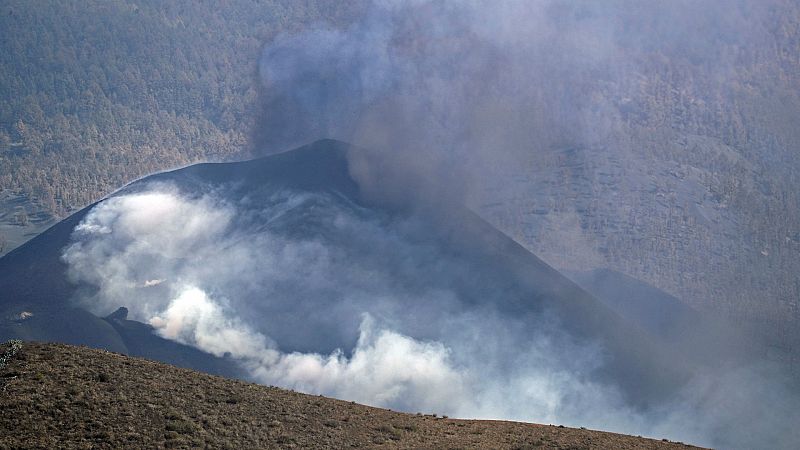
(70, 397)
(692, 333)
(495, 272)
(33, 277)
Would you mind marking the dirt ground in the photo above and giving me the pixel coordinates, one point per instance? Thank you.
(59, 396)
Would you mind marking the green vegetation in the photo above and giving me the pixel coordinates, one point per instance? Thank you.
(98, 93)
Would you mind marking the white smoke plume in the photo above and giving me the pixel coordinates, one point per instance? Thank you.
(306, 312)
(167, 236)
(159, 234)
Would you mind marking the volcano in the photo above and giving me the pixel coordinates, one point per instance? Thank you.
(283, 270)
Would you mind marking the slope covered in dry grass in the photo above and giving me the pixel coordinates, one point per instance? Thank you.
(59, 396)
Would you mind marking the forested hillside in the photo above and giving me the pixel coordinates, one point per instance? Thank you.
(94, 94)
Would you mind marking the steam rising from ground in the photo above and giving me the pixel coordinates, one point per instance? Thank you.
(314, 293)
(129, 240)
(385, 368)
(212, 271)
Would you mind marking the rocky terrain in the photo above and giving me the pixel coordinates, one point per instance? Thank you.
(54, 395)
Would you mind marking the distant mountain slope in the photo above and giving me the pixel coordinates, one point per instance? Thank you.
(686, 177)
(98, 93)
(71, 397)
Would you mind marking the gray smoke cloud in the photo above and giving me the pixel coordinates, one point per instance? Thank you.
(361, 307)
(454, 96)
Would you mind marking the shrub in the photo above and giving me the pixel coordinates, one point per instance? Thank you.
(14, 346)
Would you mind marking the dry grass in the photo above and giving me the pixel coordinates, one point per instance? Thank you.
(59, 396)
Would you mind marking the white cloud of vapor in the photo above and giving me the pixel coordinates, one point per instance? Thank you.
(386, 368)
(161, 233)
(355, 307)
(204, 266)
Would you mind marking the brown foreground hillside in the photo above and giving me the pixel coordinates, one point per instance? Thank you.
(59, 396)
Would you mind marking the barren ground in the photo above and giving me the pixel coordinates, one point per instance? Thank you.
(59, 396)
